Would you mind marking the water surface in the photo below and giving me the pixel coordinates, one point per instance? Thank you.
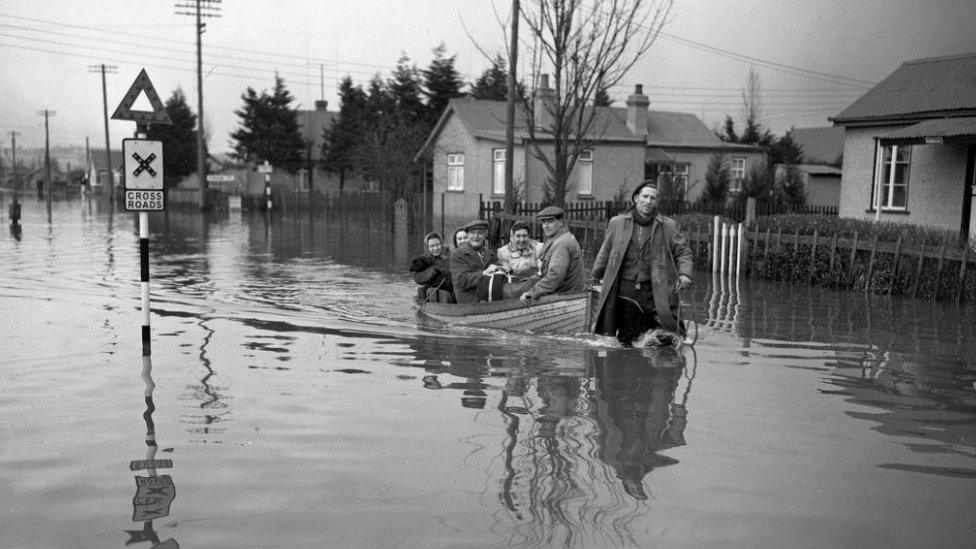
(300, 404)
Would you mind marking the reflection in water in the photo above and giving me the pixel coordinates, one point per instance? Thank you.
(582, 431)
(212, 408)
(154, 493)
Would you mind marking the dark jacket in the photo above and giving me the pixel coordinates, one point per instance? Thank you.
(562, 266)
(669, 254)
(466, 268)
(433, 272)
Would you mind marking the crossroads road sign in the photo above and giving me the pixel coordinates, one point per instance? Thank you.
(150, 464)
(143, 164)
(143, 175)
(153, 498)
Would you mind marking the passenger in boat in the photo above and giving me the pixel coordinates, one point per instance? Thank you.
(520, 257)
(642, 260)
(473, 265)
(432, 271)
(561, 260)
(460, 237)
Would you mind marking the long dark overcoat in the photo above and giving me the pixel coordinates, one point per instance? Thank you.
(670, 256)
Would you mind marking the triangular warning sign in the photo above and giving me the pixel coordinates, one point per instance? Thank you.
(125, 111)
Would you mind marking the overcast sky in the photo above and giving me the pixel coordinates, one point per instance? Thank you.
(814, 56)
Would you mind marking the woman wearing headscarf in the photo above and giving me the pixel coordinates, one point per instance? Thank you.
(432, 271)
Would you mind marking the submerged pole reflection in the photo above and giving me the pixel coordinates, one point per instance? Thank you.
(154, 493)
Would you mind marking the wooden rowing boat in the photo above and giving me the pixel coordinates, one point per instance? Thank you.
(551, 314)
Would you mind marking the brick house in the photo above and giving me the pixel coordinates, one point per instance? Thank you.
(630, 144)
(910, 145)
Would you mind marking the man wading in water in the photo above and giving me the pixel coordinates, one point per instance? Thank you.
(642, 260)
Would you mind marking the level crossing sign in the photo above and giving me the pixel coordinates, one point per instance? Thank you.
(143, 175)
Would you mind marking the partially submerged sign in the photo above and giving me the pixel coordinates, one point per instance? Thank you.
(150, 464)
(143, 175)
(154, 495)
(125, 111)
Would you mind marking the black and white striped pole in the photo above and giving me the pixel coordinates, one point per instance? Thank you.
(266, 169)
(143, 163)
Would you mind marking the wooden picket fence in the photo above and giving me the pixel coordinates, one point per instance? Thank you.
(941, 270)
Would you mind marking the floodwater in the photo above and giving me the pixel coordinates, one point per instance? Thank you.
(292, 399)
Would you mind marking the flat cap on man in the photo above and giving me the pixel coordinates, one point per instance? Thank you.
(550, 212)
(476, 224)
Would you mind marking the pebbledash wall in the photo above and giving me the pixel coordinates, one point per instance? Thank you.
(615, 164)
(935, 181)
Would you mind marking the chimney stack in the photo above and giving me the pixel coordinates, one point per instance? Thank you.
(637, 115)
(545, 98)
(321, 105)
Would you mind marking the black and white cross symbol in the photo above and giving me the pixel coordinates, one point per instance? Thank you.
(144, 164)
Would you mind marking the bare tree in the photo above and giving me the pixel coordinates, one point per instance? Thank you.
(586, 47)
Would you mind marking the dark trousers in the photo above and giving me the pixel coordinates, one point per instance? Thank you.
(636, 311)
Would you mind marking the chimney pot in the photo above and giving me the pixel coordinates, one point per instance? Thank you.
(638, 89)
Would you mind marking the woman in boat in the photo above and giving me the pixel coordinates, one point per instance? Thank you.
(520, 257)
(460, 237)
(432, 271)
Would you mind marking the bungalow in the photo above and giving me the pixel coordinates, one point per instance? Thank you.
(910, 146)
(629, 144)
(100, 176)
(823, 155)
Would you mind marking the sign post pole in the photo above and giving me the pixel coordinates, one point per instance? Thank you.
(144, 189)
(266, 169)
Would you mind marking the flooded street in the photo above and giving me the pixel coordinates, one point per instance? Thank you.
(292, 399)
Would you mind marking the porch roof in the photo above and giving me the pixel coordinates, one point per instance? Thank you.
(938, 130)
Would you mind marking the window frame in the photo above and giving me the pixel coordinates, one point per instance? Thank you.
(886, 171)
(455, 171)
(736, 182)
(498, 177)
(585, 173)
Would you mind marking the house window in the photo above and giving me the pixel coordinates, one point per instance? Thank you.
(585, 173)
(455, 172)
(893, 176)
(498, 173)
(738, 172)
(679, 179)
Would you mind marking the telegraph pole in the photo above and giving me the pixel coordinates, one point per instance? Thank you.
(13, 154)
(200, 9)
(103, 68)
(47, 159)
(510, 114)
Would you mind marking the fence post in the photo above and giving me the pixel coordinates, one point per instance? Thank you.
(894, 267)
(442, 218)
(874, 251)
(750, 210)
(962, 270)
(813, 256)
(833, 253)
(738, 253)
(715, 237)
(724, 236)
(853, 257)
(938, 276)
(918, 268)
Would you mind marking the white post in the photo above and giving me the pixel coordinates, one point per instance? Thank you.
(725, 236)
(267, 189)
(144, 276)
(715, 255)
(738, 253)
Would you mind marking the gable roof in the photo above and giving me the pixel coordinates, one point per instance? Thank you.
(926, 88)
(486, 119)
(820, 145)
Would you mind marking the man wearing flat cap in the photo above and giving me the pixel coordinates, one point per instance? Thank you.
(561, 258)
(643, 258)
(471, 263)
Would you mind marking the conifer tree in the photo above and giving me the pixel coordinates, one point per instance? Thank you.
(179, 139)
(269, 129)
